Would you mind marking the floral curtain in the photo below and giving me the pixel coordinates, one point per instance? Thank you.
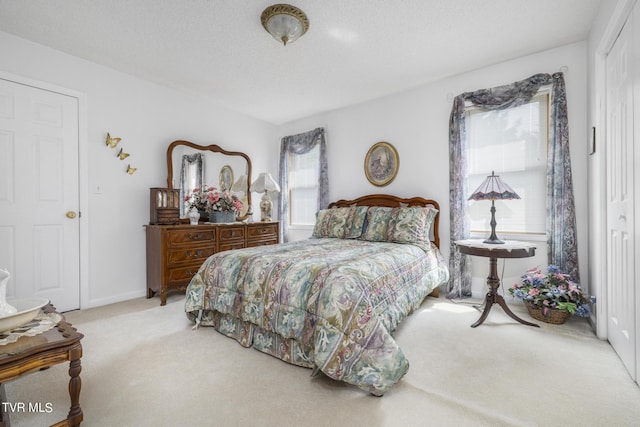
(301, 144)
(561, 221)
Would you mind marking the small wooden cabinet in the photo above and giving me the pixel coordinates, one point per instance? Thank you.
(176, 252)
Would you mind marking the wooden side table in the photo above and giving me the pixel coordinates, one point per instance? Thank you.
(31, 354)
(510, 249)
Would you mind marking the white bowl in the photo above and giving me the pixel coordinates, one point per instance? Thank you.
(27, 309)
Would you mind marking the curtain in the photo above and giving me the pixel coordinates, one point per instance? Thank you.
(189, 162)
(301, 144)
(560, 219)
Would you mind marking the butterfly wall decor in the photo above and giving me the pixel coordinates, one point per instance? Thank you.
(122, 155)
(131, 170)
(112, 142)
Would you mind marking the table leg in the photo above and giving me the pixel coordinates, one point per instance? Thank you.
(4, 415)
(492, 297)
(75, 415)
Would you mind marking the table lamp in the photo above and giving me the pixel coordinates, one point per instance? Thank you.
(265, 183)
(493, 188)
(242, 186)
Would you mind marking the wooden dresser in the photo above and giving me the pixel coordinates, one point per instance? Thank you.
(176, 252)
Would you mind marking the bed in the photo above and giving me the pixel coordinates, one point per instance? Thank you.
(330, 302)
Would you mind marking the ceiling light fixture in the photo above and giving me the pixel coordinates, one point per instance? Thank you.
(284, 22)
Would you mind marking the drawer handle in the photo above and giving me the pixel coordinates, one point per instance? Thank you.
(198, 253)
(196, 237)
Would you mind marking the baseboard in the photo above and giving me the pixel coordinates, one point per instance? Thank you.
(114, 299)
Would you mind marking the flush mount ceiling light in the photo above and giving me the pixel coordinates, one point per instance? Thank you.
(284, 22)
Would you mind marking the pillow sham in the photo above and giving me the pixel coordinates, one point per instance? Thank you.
(355, 222)
(378, 218)
(411, 224)
(331, 222)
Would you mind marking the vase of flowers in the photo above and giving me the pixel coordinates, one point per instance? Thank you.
(214, 205)
(223, 206)
(551, 297)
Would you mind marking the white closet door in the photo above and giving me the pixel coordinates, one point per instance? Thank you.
(39, 194)
(621, 270)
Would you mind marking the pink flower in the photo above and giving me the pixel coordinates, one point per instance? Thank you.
(533, 292)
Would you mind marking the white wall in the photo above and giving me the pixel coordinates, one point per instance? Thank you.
(147, 117)
(416, 122)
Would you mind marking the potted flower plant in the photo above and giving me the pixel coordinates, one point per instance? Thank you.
(551, 297)
(216, 205)
(223, 206)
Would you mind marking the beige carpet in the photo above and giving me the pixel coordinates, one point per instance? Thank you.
(143, 365)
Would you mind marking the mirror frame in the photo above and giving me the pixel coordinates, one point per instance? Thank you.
(215, 149)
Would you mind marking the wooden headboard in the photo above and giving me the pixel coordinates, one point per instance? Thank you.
(393, 202)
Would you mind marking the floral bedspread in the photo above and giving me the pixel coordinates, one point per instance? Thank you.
(329, 304)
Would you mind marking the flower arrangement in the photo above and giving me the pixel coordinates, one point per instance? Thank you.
(223, 201)
(552, 290)
(210, 199)
(198, 198)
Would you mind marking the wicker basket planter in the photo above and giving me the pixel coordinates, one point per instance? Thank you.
(554, 316)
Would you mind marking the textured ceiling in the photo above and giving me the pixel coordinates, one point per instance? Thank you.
(355, 50)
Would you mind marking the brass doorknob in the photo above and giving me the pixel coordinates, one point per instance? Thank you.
(71, 214)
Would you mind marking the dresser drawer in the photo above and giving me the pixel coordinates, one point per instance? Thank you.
(262, 242)
(227, 246)
(190, 254)
(182, 275)
(227, 234)
(257, 231)
(181, 237)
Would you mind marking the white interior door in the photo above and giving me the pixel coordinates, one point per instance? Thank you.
(39, 194)
(621, 273)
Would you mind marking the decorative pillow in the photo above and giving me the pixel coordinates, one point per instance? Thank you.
(432, 212)
(320, 229)
(355, 222)
(331, 222)
(378, 218)
(411, 224)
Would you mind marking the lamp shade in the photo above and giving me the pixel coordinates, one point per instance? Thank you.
(494, 188)
(241, 185)
(265, 183)
(284, 22)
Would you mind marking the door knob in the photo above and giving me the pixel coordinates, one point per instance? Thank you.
(71, 214)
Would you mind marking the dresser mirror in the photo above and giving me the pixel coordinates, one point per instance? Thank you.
(191, 166)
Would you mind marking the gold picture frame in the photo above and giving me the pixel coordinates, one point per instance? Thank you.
(226, 178)
(381, 163)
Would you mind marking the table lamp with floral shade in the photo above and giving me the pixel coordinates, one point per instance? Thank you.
(265, 184)
(493, 188)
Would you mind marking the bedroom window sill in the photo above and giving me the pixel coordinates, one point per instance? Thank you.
(301, 227)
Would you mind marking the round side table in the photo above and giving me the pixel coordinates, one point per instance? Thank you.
(510, 249)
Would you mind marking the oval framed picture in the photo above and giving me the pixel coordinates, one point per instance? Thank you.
(381, 163)
(226, 178)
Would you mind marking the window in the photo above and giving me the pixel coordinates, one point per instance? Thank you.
(303, 187)
(513, 143)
